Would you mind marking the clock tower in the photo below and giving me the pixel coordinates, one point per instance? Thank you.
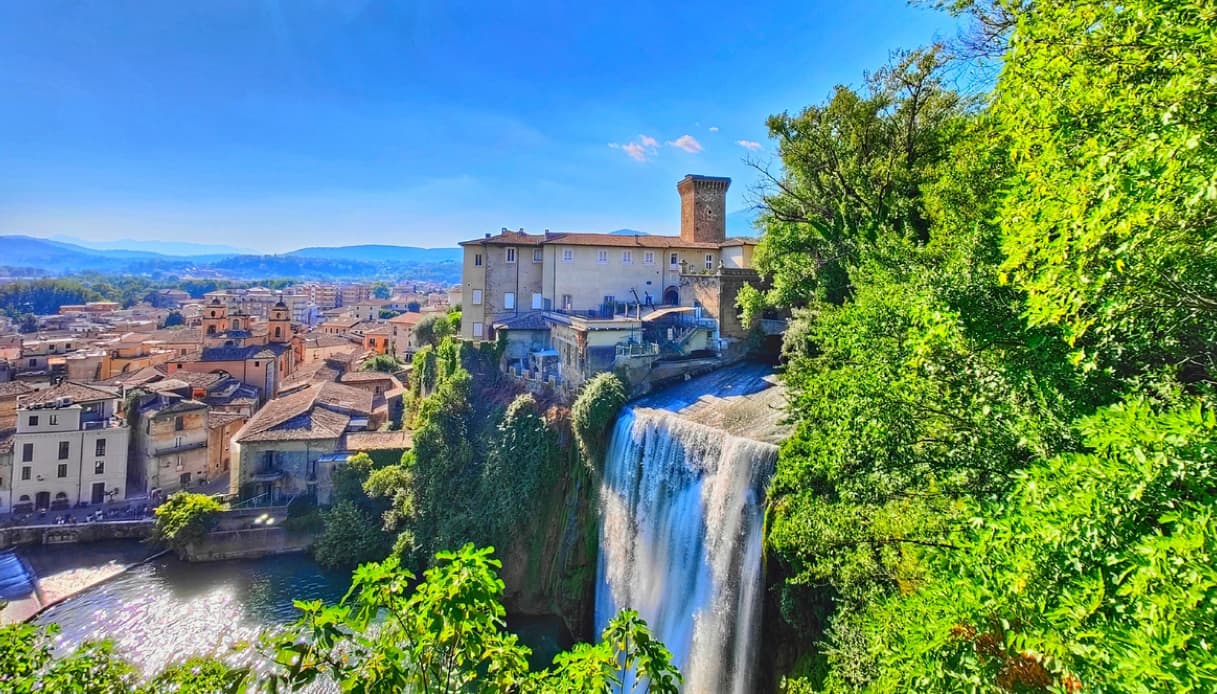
(703, 208)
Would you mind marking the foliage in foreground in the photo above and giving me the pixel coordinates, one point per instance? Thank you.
(184, 518)
(1000, 477)
(445, 633)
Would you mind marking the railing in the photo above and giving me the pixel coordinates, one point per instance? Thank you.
(636, 349)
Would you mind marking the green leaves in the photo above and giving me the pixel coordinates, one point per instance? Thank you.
(184, 518)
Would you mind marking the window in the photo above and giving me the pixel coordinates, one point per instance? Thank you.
(257, 364)
(477, 260)
(627, 257)
(178, 424)
(100, 447)
(567, 302)
(64, 450)
(538, 255)
(33, 363)
(648, 258)
(538, 301)
(61, 471)
(709, 262)
(26, 473)
(477, 329)
(674, 259)
(568, 255)
(99, 467)
(27, 452)
(511, 255)
(601, 256)
(509, 301)
(53, 419)
(477, 297)
(33, 420)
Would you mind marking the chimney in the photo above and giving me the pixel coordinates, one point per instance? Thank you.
(703, 208)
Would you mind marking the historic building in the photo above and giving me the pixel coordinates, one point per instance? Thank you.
(575, 304)
(68, 448)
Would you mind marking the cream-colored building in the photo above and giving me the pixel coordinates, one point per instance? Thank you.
(69, 448)
(572, 305)
(598, 276)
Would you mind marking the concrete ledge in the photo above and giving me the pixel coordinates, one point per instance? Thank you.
(251, 543)
(79, 532)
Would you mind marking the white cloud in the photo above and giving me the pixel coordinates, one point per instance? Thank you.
(640, 149)
(686, 142)
(713, 128)
(749, 144)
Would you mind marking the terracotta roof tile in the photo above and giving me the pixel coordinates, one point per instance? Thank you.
(78, 392)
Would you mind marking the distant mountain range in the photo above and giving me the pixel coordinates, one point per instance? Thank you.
(179, 248)
(26, 255)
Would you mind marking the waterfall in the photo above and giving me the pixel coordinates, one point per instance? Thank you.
(681, 508)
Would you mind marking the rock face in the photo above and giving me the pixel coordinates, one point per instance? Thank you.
(682, 508)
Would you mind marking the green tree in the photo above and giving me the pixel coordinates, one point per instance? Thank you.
(184, 518)
(593, 413)
(852, 173)
(28, 664)
(448, 634)
(28, 324)
(381, 290)
(174, 318)
(385, 363)
(350, 536)
(1111, 212)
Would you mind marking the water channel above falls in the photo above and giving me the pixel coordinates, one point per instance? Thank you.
(682, 508)
(166, 609)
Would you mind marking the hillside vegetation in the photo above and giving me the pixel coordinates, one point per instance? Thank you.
(1001, 477)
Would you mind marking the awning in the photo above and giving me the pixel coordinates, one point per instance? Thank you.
(660, 313)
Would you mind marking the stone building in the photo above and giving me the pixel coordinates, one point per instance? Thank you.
(169, 440)
(571, 305)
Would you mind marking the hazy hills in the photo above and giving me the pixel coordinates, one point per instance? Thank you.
(25, 255)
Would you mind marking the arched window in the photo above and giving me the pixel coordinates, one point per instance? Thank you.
(25, 499)
(211, 330)
(278, 331)
(60, 495)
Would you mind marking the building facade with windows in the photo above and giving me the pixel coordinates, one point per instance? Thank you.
(69, 448)
(599, 275)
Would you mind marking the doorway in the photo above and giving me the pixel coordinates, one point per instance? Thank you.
(99, 493)
(671, 296)
(42, 501)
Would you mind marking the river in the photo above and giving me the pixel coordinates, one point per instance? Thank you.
(166, 610)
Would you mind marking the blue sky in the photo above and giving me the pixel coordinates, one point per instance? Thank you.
(274, 124)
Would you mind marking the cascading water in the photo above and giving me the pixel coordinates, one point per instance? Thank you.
(681, 508)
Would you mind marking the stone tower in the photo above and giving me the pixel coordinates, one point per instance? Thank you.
(215, 317)
(703, 208)
(279, 327)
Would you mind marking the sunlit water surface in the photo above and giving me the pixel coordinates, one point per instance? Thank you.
(168, 610)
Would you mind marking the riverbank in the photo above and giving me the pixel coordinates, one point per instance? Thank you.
(57, 574)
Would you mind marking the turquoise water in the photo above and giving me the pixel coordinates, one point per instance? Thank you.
(167, 610)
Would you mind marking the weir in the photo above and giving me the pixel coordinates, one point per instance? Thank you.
(682, 508)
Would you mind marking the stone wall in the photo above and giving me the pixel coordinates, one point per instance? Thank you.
(70, 534)
(250, 543)
(717, 293)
